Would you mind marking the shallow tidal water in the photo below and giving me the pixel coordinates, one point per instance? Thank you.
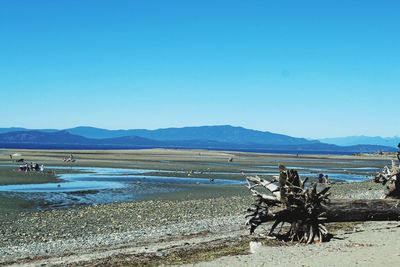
(95, 185)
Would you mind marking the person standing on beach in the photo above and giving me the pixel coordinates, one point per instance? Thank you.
(321, 178)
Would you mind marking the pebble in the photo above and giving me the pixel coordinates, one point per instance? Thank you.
(68, 230)
(62, 231)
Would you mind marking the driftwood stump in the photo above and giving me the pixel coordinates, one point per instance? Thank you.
(290, 203)
(286, 200)
(390, 176)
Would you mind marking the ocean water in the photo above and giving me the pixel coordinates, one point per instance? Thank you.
(93, 185)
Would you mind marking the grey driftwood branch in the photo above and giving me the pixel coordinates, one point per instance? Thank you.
(286, 200)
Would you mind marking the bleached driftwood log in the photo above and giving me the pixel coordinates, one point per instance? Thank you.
(361, 210)
(286, 200)
(390, 176)
(291, 203)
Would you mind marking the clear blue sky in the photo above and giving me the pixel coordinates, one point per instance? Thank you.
(303, 68)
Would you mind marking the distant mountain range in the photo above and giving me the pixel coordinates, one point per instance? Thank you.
(223, 137)
(358, 140)
(224, 133)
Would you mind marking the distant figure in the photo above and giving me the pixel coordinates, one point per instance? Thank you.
(58, 185)
(20, 160)
(69, 158)
(230, 159)
(321, 178)
(10, 156)
(41, 168)
(211, 179)
(36, 167)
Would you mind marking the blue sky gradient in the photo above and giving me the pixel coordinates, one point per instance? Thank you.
(303, 68)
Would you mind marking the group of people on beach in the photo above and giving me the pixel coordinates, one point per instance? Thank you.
(69, 158)
(323, 179)
(28, 167)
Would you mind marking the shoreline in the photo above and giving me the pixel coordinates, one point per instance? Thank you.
(190, 227)
(178, 164)
(148, 231)
(213, 239)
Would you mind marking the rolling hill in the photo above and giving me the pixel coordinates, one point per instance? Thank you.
(223, 133)
(207, 137)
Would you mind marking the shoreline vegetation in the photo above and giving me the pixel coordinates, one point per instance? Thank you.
(196, 226)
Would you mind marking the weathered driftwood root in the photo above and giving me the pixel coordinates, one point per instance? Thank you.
(390, 176)
(289, 203)
(306, 210)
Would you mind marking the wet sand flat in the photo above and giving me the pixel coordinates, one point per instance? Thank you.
(200, 225)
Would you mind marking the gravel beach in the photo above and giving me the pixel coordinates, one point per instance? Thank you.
(60, 232)
(196, 227)
(148, 230)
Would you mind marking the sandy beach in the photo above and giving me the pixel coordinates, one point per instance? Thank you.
(202, 227)
(367, 244)
(130, 235)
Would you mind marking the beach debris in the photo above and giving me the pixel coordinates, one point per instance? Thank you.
(286, 200)
(289, 202)
(390, 177)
